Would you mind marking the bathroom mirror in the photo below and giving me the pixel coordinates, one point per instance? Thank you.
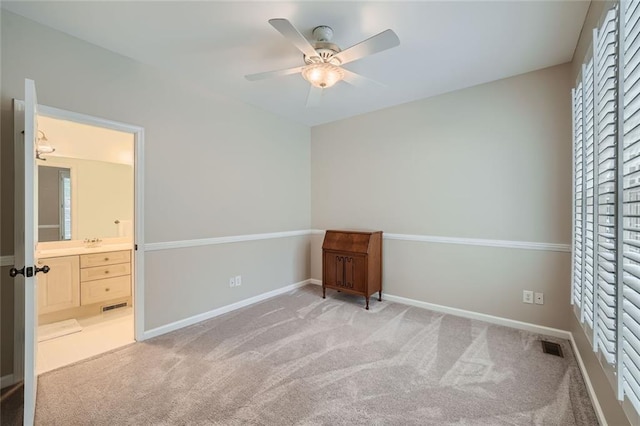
(54, 203)
(79, 199)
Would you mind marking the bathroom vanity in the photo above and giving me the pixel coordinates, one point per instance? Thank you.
(83, 281)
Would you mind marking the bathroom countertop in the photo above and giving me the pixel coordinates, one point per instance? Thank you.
(70, 251)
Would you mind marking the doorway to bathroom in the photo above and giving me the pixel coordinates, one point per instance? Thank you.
(87, 182)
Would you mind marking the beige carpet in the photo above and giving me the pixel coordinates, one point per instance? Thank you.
(299, 359)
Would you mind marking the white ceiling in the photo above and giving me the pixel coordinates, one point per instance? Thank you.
(444, 46)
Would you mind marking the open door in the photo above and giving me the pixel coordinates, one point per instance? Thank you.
(25, 238)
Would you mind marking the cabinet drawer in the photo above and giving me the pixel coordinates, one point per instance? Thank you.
(101, 290)
(100, 272)
(107, 258)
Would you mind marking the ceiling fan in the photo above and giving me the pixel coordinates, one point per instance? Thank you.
(323, 59)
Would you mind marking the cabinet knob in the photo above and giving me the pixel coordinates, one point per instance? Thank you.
(106, 272)
(106, 258)
(106, 289)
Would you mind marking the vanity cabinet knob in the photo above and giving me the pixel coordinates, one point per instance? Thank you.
(106, 272)
(106, 289)
(106, 259)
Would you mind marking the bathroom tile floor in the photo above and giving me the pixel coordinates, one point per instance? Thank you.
(99, 334)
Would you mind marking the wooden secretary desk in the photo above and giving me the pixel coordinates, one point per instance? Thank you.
(352, 262)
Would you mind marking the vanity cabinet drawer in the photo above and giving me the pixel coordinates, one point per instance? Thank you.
(107, 258)
(101, 272)
(106, 289)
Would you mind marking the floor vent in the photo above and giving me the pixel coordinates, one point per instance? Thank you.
(552, 348)
(112, 307)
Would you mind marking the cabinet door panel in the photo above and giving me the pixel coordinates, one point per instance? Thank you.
(333, 269)
(60, 288)
(354, 272)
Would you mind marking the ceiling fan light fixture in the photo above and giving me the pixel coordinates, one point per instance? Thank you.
(322, 75)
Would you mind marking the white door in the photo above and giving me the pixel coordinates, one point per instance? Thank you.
(25, 239)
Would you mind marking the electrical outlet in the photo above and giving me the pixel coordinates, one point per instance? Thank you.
(539, 298)
(238, 280)
(527, 296)
(232, 282)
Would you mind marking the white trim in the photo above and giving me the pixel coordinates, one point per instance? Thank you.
(520, 325)
(222, 310)
(6, 381)
(526, 245)
(138, 132)
(222, 240)
(587, 381)
(90, 120)
(6, 260)
(138, 146)
(138, 229)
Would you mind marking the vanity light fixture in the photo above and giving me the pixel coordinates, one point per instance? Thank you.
(43, 146)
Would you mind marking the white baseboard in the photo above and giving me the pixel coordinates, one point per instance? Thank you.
(6, 381)
(219, 311)
(520, 325)
(587, 381)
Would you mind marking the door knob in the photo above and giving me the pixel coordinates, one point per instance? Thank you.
(13, 272)
(28, 271)
(45, 269)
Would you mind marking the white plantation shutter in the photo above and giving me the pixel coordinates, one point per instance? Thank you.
(606, 130)
(629, 312)
(578, 155)
(588, 196)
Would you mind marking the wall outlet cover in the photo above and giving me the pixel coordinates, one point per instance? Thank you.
(539, 298)
(232, 282)
(238, 280)
(527, 296)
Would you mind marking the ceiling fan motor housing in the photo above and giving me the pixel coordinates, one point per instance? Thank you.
(324, 48)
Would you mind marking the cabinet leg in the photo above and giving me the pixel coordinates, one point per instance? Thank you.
(380, 296)
(367, 307)
(324, 292)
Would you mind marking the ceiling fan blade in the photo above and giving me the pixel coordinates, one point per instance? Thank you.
(379, 42)
(290, 32)
(360, 81)
(314, 96)
(271, 74)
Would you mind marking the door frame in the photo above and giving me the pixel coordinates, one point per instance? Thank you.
(138, 287)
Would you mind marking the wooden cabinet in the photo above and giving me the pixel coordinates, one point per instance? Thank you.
(105, 276)
(79, 285)
(60, 288)
(352, 262)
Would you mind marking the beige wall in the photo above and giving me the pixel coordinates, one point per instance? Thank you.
(213, 167)
(101, 192)
(489, 162)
